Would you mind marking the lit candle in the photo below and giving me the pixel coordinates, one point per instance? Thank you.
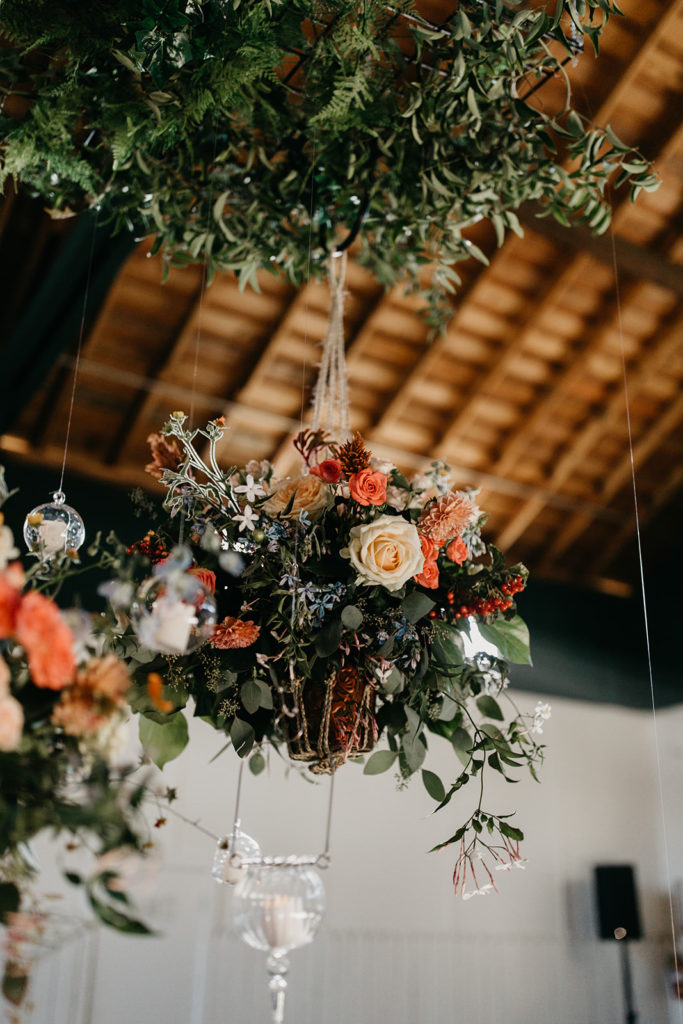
(284, 921)
(52, 536)
(168, 626)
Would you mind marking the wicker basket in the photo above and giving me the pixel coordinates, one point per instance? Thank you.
(330, 722)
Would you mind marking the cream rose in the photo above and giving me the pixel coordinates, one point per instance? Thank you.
(311, 495)
(11, 724)
(385, 551)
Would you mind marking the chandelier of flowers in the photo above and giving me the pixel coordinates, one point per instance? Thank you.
(237, 132)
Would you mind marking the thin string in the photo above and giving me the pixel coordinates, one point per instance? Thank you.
(77, 363)
(641, 568)
(331, 399)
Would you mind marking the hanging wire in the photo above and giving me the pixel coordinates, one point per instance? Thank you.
(79, 349)
(646, 624)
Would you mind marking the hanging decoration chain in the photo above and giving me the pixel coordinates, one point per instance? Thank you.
(331, 398)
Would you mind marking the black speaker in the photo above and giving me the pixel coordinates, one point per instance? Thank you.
(615, 889)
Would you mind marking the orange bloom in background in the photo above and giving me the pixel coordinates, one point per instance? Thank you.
(429, 577)
(368, 488)
(166, 454)
(99, 691)
(429, 549)
(457, 551)
(232, 632)
(329, 470)
(155, 689)
(207, 577)
(47, 640)
(445, 517)
(10, 599)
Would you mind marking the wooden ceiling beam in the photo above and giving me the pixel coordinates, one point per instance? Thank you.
(632, 260)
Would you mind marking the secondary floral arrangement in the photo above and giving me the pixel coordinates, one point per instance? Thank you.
(62, 700)
(324, 612)
(238, 132)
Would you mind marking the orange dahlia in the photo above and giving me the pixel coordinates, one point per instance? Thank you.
(232, 632)
(445, 517)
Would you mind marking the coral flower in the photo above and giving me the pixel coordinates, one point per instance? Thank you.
(98, 692)
(429, 577)
(205, 576)
(329, 470)
(429, 549)
(47, 640)
(10, 599)
(445, 517)
(368, 488)
(457, 551)
(232, 632)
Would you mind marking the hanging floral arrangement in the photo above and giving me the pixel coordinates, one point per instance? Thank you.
(240, 133)
(343, 602)
(62, 702)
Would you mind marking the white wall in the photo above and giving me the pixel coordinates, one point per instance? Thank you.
(396, 944)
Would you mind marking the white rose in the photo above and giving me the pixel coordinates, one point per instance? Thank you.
(11, 724)
(385, 551)
(8, 549)
(381, 466)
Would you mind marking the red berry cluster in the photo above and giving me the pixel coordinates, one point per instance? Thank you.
(513, 585)
(494, 602)
(151, 546)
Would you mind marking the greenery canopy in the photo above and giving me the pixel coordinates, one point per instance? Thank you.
(248, 133)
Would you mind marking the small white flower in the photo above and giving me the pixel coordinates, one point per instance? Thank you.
(542, 713)
(251, 490)
(247, 519)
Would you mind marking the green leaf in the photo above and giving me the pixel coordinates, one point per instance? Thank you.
(447, 648)
(416, 605)
(380, 761)
(14, 987)
(242, 735)
(510, 831)
(115, 919)
(164, 742)
(490, 708)
(394, 682)
(462, 744)
(257, 763)
(351, 616)
(328, 639)
(414, 750)
(511, 637)
(433, 785)
(250, 695)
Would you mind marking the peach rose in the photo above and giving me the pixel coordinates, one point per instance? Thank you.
(98, 692)
(311, 495)
(386, 551)
(47, 640)
(457, 551)
(4, 678)
(429, 577)
(429, 549)
(368, 488)
(11, 724)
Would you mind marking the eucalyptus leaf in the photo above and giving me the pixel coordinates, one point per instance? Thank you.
(164, 742)
(379, 762)
(510, 637)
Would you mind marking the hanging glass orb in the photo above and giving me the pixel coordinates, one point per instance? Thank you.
(277, 908)
(173, 613)
(53, 527)
(224, 868)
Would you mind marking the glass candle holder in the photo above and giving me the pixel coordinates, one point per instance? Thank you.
(53, 527)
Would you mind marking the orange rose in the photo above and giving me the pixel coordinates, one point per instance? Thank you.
(429, 549)
(205, 576)
(457, 551)
(10, 599)
(47, 640)
(368, 488)
(429, 577)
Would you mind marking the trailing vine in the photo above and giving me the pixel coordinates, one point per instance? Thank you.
(236, 132)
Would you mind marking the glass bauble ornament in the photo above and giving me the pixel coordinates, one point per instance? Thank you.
(53, 527)
(230, 850)
(173, 613)
(276, 908)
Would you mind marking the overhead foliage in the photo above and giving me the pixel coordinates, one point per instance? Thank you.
(251, 134)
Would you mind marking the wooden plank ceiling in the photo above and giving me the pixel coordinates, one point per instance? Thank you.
(523, 395)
